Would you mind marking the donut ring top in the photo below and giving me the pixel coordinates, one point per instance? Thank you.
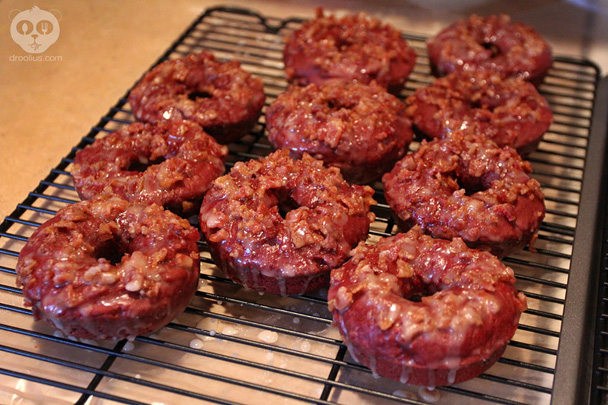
(425, 311)
(360, 129)
(107, 269)
(353, 47)
(178, 163)
(221, 97)
(465, 186)
(508, 111)
(252, 238)
(493, 43)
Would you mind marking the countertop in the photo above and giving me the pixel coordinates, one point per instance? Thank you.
(104, 46)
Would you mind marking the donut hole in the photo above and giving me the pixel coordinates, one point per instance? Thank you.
(343, 43)
(284, 209)
(142, 163)
(111, 250)
(197, 95)
(417, 290)
(487, 105)
(471, 184)
(490, 46)
(476, 104)
(415, 298)
(336, 104)
(285, 205)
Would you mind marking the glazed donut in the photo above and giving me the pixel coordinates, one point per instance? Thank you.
(425, 311)
(279, 225)
(508, 111)
(221, 97)
(108, 269)
(360, 129)
(493, 43)
(354, 47)
(465, 186)
(169, 163)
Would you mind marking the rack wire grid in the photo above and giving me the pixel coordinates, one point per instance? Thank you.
(232, 345)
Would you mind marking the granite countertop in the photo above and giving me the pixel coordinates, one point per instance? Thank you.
(103, 47)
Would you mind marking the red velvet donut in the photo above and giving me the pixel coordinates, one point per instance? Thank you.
(465, 186)
(170, 163)
(221, 97)
(360, 129)
(493, 43)
(509, 111)
(279, 225)
(425, 311)
(353, 47)
(108, 269)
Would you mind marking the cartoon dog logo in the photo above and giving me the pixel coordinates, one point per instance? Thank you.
(35, 30)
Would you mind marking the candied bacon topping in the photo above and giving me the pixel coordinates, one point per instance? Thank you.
(281, 218)
(509, 111)
(353, 47)
(493, 43)
(361, 129)
(169, 163)
(221, 97)
(425, 311)
(466, 186)
(108, 269)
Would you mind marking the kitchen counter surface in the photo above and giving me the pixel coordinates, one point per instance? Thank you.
(105, 46)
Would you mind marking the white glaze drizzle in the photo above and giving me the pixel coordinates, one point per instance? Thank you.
(428, 394)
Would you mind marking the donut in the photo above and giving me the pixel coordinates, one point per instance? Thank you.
(170, 163)
(465, 186)
(353, 47)
(360, 129)
(425, 311)
(279, 225)
(509, 111)
(492, 43)
(221, 97)
(109, 269)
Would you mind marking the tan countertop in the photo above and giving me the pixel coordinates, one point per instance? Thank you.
(105, 46)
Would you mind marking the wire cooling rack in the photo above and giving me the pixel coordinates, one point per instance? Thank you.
(237, 346)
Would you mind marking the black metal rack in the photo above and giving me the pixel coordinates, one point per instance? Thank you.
(236, 346)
